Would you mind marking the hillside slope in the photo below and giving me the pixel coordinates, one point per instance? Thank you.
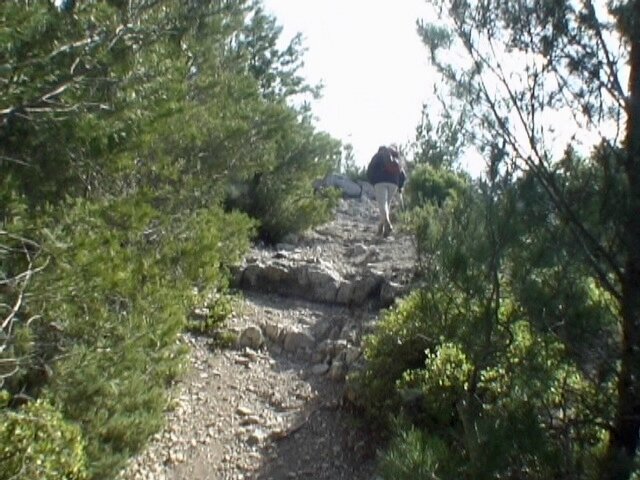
(272, 406)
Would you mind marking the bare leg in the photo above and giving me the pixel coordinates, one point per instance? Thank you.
(381, 194)
(391, 192)
(384, 194)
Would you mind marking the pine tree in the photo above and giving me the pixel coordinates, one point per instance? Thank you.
(126, 129)
(526, 60)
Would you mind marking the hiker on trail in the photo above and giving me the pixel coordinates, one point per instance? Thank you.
(387, 177)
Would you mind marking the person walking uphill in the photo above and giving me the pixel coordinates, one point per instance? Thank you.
(387, 176)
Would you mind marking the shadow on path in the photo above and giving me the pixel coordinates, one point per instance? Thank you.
(322, 440)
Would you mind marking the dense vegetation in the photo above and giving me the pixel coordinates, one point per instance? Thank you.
(501, 366)
(520, 357)
(143, 144)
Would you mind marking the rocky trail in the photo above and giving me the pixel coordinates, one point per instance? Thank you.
(272, 407)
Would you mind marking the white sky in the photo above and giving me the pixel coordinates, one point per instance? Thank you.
(373, 66)
(376, 73)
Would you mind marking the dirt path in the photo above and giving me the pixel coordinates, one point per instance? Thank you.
(274, 412)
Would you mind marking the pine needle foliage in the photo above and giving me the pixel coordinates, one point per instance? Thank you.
(36, 442)
(494, 372)
(131, 135)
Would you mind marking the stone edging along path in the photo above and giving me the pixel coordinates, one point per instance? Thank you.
(271, 407)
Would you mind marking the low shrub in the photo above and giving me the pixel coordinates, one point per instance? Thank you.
(36, 442)
(431, 185)
(121, 280)
(486, 364)
(414, 454)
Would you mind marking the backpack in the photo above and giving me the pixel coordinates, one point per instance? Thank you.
(383, 161)
(392, 166)
(377, 164)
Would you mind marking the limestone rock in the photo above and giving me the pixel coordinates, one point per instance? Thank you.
(337, 371)
(296, 340)
(285, 247)
(244, 411)
(351, 355)
(367, 190)
(251, 337)
(320, 369)
(257, 437)
(389, 291)
(348, 187)
(357, 250)
(272, 331)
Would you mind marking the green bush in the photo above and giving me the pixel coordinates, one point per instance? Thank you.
(483, 363)
(281, 196)
(216, 311)
(37, 443)
(401, 342)
(123, 276)
(433, 185)
(286, 206)
(414, 454)
(522, 406)
(115, 185)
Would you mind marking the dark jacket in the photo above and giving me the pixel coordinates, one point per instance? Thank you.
(384, 168)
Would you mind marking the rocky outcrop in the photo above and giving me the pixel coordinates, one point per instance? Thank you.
(316, 281)
(269, 407)
(342, 263)
(349, 188)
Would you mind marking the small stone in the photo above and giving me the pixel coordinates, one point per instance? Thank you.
(244, 411)
(251, 420)
(242, 361)
(278, 434)
(200, 313)
(175, 457)
(250, 354)
(337, 371)
(257, 437)
(272, 331)
(297, 340)
(320, 369)
(251, 337)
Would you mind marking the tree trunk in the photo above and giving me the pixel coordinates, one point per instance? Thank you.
(623, 442)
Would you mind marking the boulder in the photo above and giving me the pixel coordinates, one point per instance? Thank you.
(389, 291)
(272, 331)
(320, 369)
(348, 187)
(317, 282)
(367, 189)
(251, 337)
(337, 371)
(296, 340)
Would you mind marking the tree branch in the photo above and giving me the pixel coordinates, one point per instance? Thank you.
(592, 248)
